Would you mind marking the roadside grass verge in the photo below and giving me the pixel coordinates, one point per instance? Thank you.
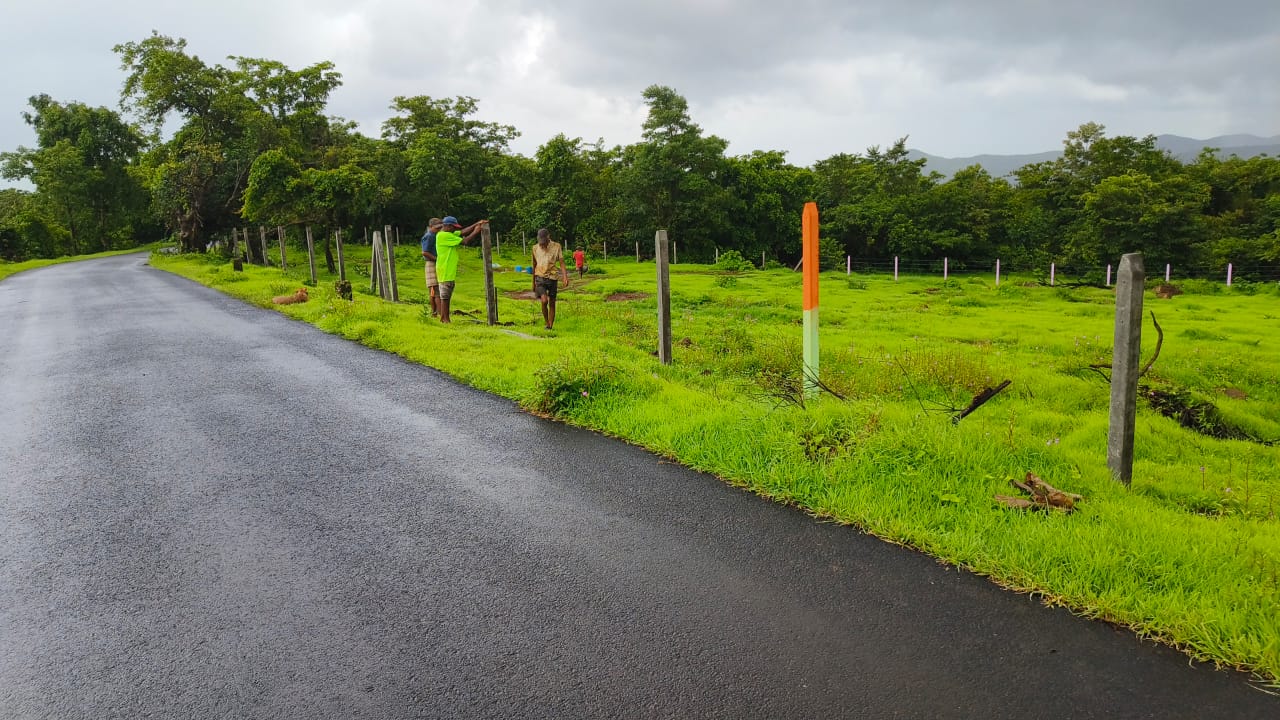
(1189, 555)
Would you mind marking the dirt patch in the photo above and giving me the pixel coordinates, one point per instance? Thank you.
(522, 295)
(1166, 291)
(620, 297)
(1196, 414)
(1235, 393)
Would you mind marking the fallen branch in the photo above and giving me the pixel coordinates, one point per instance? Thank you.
(980, 400)
(1043, 496)
(1099, 367)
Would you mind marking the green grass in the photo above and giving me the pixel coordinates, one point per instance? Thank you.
(9, 268)
(1189, 555)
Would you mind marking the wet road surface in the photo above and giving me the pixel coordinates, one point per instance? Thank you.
(210, 511)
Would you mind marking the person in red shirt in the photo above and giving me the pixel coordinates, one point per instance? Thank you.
(579, 261)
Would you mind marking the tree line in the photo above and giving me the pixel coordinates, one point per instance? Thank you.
(254, 144)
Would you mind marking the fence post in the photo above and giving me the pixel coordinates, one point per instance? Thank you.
(284, 265)
(1124, 367)
(262, 240)
(809, 235)
(1228, 274)
(997, 272)
(664, 295)
(675, 253)
(895, 268)
(637, 251)
(375, 265)
(1053, 270)
(1108, 274)
(1166, 272)
(606, 250)
(391, 264)
(848, 264)
(311, 255)
(342, 265)
(944, 268)
(761, 259)
(490, 292)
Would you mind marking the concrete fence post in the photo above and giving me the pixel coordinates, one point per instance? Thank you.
(664, 295)
(1124, 367)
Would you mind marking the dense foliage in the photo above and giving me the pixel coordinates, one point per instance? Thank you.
(251, 144)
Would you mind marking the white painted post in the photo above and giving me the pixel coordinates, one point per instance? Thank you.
(1166, 272)
(717, 256)
(997, 272)
(1228, 274)
(606, 250)
(675, 253)
(944, 268)
(1053, 269)
(1108, 274)
(895, 268)
(637, 251)
(761, 259)
(848, 264)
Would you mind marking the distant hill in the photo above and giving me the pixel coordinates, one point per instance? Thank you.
(1184, 148)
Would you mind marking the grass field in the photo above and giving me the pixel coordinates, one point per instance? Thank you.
(1189, 555)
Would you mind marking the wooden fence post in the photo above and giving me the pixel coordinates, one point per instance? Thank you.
(284, 263)
(1124, 367)
(262, 240)
(394, 295)
(490, 292)
(664, 295)
(311, 255)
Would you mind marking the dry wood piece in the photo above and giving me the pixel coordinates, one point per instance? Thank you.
(1043, 496)
(980, 399)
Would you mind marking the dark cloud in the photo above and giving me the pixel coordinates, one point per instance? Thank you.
(812, 77)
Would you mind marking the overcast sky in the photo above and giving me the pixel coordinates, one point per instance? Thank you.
(810, 77)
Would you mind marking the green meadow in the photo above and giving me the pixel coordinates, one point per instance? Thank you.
(1189, 555)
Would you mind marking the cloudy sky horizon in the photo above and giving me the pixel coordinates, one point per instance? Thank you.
(809, 77)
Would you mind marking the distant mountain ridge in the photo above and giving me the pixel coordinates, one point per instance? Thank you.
(1184, 148)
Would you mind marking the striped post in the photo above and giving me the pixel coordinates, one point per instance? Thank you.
(809, 228)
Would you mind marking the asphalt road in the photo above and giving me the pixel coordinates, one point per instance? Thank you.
(210, 511)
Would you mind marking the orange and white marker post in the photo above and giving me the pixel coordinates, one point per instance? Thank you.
(809, 227)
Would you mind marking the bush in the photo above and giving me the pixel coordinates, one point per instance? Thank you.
(727, 281)
(856, 283)
(570, 382)
(732, 261)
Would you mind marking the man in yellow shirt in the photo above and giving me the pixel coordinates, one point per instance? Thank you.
(546, 254)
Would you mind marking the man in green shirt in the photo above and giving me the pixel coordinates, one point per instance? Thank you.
(451, 236)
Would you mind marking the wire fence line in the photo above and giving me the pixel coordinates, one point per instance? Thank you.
(1063, 273)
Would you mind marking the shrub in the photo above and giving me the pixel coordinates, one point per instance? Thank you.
(727, 281)
(732, 261)
(570, 382)
(856, 283)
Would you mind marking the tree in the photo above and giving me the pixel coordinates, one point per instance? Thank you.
(82, 169)
(674, 177)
